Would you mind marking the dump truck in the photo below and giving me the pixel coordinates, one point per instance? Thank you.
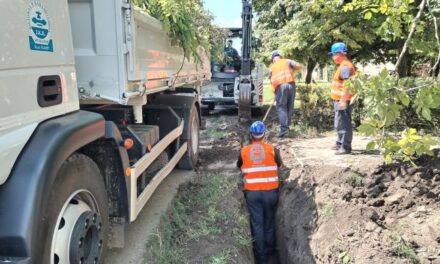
(96, 109)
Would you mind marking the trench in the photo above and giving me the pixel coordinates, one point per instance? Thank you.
(295, 220)
(296, 212)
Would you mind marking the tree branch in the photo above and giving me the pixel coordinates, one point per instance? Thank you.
(410, 35)
(433, 69)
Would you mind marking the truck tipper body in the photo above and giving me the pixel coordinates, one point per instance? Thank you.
(96, 109)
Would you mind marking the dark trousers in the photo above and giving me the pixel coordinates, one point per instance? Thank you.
(285, 98)
(262, 207)
(343, 126)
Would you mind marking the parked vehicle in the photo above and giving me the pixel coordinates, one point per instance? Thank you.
(237, 81)
(96, 109)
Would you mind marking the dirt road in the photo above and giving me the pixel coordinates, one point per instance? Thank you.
(137, 233)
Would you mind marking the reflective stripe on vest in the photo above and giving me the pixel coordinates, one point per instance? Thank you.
(259, 167)
(281, 72)
(338, 89)
(260, 180)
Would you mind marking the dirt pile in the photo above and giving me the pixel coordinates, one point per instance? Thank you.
(352, 209)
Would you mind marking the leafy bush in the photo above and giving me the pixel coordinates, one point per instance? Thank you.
(391, 107)
(316, 106)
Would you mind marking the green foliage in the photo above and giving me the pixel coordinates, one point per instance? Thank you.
(375, 30)
(344, 257)
(316, 106)
(355, 180)
(402, 250)
(189, 25)
(328, 211)
(390, 18)
(387, 104)
(305, 30)
(222, 258)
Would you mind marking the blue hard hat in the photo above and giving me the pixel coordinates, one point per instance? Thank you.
(338, 47)
(275, 54)
(257, 128)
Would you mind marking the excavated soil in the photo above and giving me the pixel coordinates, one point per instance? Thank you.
(341, 209)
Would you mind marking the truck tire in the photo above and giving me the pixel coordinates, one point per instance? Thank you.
(76, 225)
(189, 160)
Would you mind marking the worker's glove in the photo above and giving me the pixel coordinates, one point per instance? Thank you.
(342, 105)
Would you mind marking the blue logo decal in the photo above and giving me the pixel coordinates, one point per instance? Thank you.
(257, 153)
(39, 28)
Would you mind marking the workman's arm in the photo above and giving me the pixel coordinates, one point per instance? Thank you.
(345, 75)
(239, 161)
(295, 65)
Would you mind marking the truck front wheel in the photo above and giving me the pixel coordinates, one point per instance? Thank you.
(77, 214)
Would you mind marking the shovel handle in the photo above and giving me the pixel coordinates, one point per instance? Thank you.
(268, 110)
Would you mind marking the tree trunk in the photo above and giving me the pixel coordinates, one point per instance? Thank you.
(311, 64)
(435, 69)
(404, 68)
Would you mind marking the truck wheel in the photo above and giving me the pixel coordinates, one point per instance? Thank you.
(189, 160)
(77, 214)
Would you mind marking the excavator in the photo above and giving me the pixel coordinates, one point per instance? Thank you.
(238, 82)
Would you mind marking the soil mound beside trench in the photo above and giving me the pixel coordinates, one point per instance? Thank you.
(354, 209)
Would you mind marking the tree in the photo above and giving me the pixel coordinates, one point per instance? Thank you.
(306, 29)
(406, 25)
(375, 30)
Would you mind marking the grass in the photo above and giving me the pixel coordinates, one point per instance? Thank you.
(196, 215)
(402, 250)
(354, 179)
(224, 257)
(344, 257)
(328, 211)
(215, 133)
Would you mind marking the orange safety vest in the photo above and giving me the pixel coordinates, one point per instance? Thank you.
(259, 167)
(281, 73)
(338, 89)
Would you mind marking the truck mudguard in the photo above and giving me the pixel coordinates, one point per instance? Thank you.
(181, 104)
(23, 196)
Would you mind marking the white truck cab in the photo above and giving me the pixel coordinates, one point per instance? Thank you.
(96, 109)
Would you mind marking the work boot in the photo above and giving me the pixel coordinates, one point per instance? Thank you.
(283, 133)
(336, 147)
(342, 151)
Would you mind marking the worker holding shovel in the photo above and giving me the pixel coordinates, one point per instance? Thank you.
(283, 85)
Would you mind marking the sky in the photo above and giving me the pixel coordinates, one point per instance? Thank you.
(227, 12)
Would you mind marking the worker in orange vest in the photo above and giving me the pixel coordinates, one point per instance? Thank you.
(283, 85)
(341, 95)
(259, 163)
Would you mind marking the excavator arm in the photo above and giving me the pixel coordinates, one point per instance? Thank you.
(245, 85)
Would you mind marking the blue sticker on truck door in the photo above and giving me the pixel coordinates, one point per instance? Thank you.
(39, 28)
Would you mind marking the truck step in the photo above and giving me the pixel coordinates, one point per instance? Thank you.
(147, 135)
